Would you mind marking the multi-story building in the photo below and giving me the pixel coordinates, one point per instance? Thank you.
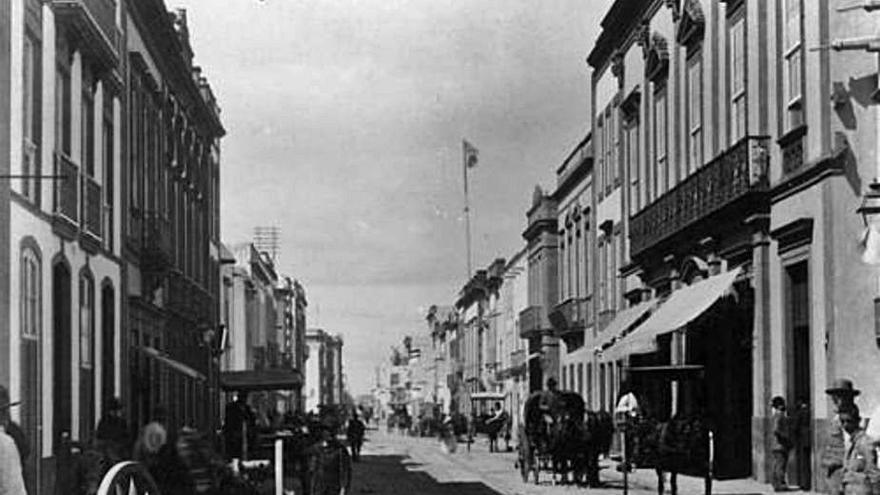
(323, 370)
(475, 333)
(733, 142)
(170, 216)
(541, 237)
(511, 350)
(572, 317)
(442, 322)
(62, 105)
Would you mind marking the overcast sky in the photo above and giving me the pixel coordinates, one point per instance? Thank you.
(344, 123)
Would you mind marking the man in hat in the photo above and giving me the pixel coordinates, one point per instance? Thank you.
(11, 476)
(860, 473)
(781, 443)
(842, 394)
(112, 435)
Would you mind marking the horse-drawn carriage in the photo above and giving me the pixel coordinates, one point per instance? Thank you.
(559, 436)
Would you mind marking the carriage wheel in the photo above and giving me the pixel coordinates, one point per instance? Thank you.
(128, 477)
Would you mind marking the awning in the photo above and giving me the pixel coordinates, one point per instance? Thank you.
(153, 353)
(488, 396)
(682, 307)
(251, 380)
(622, 322)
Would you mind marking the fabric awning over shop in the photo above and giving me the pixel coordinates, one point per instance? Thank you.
(622, 322)
(252, 380)
(682, 307)
(154, 353)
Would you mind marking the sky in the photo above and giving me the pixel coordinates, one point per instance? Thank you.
(344, 123)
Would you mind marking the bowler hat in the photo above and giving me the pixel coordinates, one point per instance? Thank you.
(843, 386)
(777, 402)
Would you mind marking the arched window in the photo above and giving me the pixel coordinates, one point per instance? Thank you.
(30, 294)
(86, 355)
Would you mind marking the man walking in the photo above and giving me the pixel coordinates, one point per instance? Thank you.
(781, 443)
(11, 477)
(355, 435)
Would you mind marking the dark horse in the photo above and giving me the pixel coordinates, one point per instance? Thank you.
(679, 445)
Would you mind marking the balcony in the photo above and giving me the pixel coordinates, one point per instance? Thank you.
(571, 316)
(157, 253)
(66, 200)
(532, 322)
(95, 22)
(735, 178)
(91, 207)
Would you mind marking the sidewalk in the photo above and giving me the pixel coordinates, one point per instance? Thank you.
(642, 480)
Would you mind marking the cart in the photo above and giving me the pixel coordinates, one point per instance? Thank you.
(552, 436)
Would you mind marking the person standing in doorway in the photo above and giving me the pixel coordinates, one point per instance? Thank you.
(781, 443)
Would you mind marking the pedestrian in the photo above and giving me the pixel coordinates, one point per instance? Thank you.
(626, 413)
(355, 435)
(842, 394)
(152, 437)
(13, 429)
(11, 475)
(112, 436)
(781, 443)
(861, 475)
(802, 436)
(239, 425)
(330, 462)
(494, 425)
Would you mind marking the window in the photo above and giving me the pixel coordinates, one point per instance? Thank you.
(30, 294)
(580, 378)
(615, 147)
(578, 246)
(661, 161)
(572, 252)
(88, 126)
(62, 110)
(631, 155)
(564, 380)
(695, 112)
(793, 56)
(86, 356)
(107, 136)
(562, 265)
(30, 184)
(737, 65)
(602, 272)
(600, 156)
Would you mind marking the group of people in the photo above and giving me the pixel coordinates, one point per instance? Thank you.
(849, 459)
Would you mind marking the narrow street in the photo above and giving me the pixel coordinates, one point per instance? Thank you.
(397, 465)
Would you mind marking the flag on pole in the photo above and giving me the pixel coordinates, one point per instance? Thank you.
(471, 154)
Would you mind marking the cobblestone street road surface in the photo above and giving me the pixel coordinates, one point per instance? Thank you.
(396, 465)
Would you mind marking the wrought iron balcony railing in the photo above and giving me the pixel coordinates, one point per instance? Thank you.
(730, 177)
(91, 207)
(571, 315)
(66, 188)
(157, 252)
(533, 321)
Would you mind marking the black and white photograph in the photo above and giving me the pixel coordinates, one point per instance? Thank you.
(439, 247)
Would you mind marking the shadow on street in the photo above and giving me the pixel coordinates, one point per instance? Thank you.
(393, 475)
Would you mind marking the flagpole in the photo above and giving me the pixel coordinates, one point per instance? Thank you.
(467, 208)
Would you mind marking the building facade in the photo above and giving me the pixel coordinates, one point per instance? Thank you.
(541, 236)
(64, 125)
(572, 317)
(512, 371)
(730, 158)
(170, 220)
(323, 370)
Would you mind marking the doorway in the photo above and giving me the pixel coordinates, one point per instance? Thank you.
(108, 344)
(799, 370)
(61, 350)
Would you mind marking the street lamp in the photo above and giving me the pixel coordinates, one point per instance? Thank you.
(870, 211)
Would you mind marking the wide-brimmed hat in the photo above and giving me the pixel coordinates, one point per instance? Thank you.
(843, 386)
(7, 405)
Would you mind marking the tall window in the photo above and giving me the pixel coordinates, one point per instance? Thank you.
(30, 294)
(631, 155)
(86, 356)
(578, 270)
(108, 150)
(602, 271)
(62, 110)
(794, 53)
(88, 126)
(580, 378)
(615, 147)
(562, 268)
(600, 156)
(737, 65)
(588, 267)
(30, 126)
(695, 112)
(661, 160)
